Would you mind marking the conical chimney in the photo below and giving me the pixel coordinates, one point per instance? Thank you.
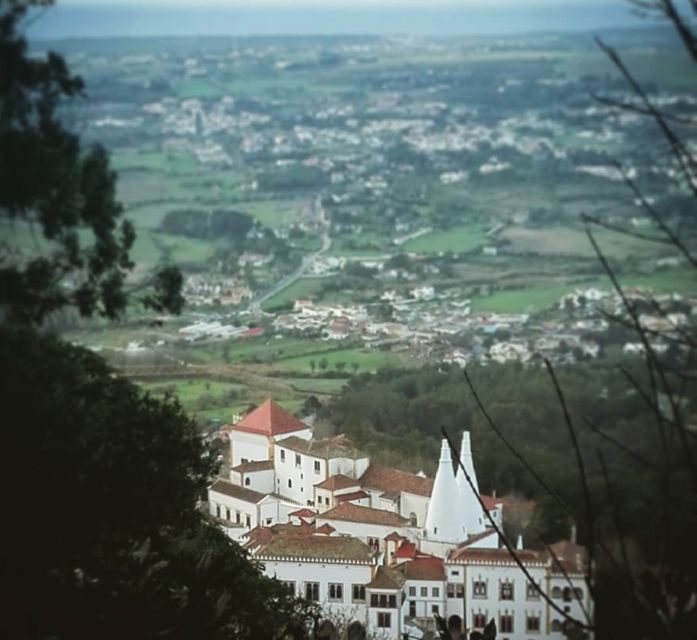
(472, 510)
(444, 522)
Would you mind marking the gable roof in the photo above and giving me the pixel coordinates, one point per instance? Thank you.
(338, 481)
(254, 465)
(235, 491)
(304, 542)
(303, 513)
(327, 448)
(424, 568)
(353, 513)
(354, 495)
(390, 480)
(386, 578)
(269, 419)
(498, 556)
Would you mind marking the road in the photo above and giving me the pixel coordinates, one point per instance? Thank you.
(254, 306)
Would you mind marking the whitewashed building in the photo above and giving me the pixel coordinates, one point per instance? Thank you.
(386, 548)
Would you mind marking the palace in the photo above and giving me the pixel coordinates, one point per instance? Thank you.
(386, 548)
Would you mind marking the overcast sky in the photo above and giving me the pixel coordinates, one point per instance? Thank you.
(318, 3)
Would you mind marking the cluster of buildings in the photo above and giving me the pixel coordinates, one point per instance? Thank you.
(383, 548)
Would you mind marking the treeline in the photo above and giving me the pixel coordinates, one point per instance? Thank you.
(208, 225)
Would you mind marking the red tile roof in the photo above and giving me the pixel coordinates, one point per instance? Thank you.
(251, 333)
(354, 495)
(354, 513)
(477, 537)
(497, 555)
(406, 550)
(394, 536)
(427, 568)
(339, 481)
(393, 480)
(387, 578)
(303, 513)
(490, 502)
(304, 542)
(254, 465)
(325, 528)
(570, 556)
(235, 491)
(269, 419)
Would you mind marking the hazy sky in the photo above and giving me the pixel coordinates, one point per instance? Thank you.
(317, 3)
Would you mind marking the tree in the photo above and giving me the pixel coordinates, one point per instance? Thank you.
(313, 365)
(107, 540)
(47, 181)
(323, 364)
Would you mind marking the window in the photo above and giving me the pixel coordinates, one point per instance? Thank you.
(506, 623)
(412, 591)
(290, 586)
(297, 459)
(374, 543)
(424, 592)
(578, 593)
(384, 620)
(392, 602)
(435, 592)
(567, 594)
(312, 591)
(479, 620)
(434, 608)
(290, 483)
(479, 589)
(531, 593)
(412, 609)
(247, 481)
(244, 460)
(532, 624)
(283, 455)
(238, 517)
(247, 521)
(413, 522)
(506, 591)
(319, 499)
(556, 592)
(269, 521)
(358, 593)
(217, 511)
(336, 592)
(317, 466)
(456, 590)
(455, 572)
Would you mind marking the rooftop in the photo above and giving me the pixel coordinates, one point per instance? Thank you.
(425, 568)
(354, 495)
(235, 491)
(387, 578)
(526, 556)
(255, 465)
(353, 513)
(337, 447)
(390, 481)
(338, 481)
(305, 542)
(269, 419)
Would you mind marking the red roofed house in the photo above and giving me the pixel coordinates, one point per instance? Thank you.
(253, 437)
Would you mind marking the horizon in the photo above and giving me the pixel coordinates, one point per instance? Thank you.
(75, 20)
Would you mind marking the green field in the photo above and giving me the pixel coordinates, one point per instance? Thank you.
(317, 385)
(272, 213)
(458, 240)
(303, 288)
(525, 300)
(368, 360)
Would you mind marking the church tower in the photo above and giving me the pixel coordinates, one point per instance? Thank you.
(444, 521)
(472, 510)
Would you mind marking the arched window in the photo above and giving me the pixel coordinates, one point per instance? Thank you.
(556, 592)
(556, 626)
(247, 482)
(290, 483)
(567, 594)
(578, 593)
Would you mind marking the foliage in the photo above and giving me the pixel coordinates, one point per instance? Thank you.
(208, 225)
(47, 180)
(106, 538)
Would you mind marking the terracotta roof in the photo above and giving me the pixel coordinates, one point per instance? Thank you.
(477, 537)
(254, 465)
(394, 536)
(269, 419)
(235, 491)
(406, 550)
(338, 481)
(393, 480)
(490, 502)
(354, 495)
(496, 555)
(303, 513)
(387, 578)
(327, 448)
(325, 528)
(571, 557)
(354, 513)
(430, 568)
(305, 542)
